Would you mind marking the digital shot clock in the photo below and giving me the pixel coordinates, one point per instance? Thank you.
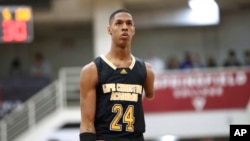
(16, 24)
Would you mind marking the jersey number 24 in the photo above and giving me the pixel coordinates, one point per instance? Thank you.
(127, 117)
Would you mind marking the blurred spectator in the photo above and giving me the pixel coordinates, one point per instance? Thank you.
(172, 63)
(157, 63)
(187, 61)
(191, 61)
(16, 67)
(247, 58)
(41, 67)
(195, 61)
(231, 59)
(211, 62)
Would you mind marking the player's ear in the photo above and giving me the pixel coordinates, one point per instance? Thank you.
(133, 31)
(109, 30)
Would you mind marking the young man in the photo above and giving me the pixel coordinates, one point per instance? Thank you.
(111, 88)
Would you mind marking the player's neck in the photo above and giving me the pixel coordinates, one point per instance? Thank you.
(120, 59)
(121, 53)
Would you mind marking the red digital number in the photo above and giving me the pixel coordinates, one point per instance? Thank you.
(14, 31)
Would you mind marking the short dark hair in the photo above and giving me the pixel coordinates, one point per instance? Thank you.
(118, 11)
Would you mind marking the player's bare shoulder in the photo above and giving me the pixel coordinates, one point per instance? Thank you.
(89, 72)
(149, 68)
(88, 67)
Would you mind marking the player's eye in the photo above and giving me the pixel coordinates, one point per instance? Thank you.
(118, 23)
(129, 23)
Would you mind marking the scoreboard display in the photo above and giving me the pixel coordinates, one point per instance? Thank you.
(16, 24)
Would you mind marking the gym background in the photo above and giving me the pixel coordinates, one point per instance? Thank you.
(201, 59)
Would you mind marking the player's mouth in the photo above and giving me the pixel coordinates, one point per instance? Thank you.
(124, 35)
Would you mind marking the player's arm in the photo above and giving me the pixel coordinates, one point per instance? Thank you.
(88, 81)
(149, 83)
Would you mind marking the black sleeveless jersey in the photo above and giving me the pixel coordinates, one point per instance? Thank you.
(119, 112)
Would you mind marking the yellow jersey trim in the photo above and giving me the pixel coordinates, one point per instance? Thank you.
(114, 67)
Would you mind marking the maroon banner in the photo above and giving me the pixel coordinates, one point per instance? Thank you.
(198, 90)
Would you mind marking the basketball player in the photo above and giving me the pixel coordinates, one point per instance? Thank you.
(111, 88)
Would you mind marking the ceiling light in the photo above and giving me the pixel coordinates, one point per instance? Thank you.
(202, 5)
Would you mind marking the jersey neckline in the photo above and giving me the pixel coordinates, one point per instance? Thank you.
(114, 67)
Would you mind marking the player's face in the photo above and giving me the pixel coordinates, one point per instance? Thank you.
(122, 28)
